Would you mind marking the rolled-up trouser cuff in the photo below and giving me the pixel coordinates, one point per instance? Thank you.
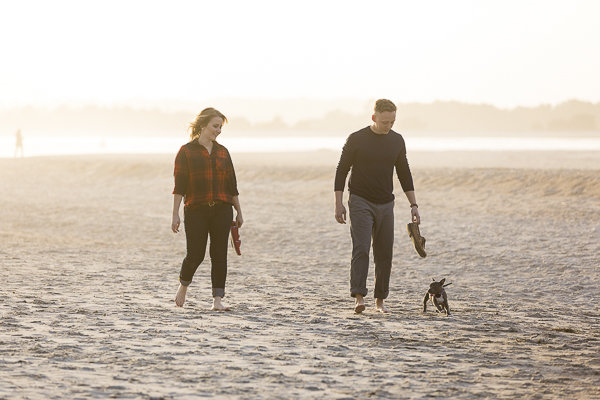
(184, 283)
(381, 295)
(364, 292)
(218, 292)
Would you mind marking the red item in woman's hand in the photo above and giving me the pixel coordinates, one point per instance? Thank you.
(235, 238)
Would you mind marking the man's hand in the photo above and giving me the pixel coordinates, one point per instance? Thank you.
(414, 209)
(340, 213)
(415, 217)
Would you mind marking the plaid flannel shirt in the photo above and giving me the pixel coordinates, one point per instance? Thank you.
(201, 177)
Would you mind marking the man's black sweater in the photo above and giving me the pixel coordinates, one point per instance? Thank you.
(372, 158)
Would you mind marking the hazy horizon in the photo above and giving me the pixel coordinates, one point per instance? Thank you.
(304, 116)
(260, 110)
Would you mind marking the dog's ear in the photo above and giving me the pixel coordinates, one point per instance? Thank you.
(442, 281)
(432, 279)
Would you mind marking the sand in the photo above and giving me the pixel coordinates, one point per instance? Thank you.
(89, 269)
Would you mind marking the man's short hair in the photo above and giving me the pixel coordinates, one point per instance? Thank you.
(383, 105)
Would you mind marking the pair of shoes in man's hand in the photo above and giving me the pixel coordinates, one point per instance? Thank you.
(418, 240)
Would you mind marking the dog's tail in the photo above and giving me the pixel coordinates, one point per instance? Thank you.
(447, 284)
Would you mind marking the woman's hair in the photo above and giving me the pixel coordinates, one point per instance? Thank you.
(383, 105)
(202, 120)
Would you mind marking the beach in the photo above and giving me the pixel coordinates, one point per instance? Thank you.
(90, 269)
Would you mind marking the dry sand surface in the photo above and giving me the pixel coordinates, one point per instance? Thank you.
(89, 269)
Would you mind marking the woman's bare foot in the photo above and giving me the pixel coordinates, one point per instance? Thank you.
(218, 306)
(380, 307)
(180, 296)
(359, 304)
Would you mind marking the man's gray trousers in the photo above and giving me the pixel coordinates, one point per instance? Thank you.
(371, 221)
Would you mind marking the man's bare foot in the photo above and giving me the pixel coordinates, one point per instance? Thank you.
(359, 305)
(380, 307)
(218, 306)
(180, 296)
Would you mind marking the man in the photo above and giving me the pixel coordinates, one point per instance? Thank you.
(372, 153)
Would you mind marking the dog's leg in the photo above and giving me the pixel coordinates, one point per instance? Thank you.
(445, 304)
(425, 302)
(447, 309)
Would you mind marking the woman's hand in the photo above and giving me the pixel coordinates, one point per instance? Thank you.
(239, 220)
(175, 223)
(176, 205)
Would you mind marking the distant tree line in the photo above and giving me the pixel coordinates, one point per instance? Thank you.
(570, 116)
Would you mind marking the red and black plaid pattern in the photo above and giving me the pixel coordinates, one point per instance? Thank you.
(201, 177)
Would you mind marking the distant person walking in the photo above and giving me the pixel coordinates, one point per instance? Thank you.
(205, 179)
(19, 143)
(372, 153)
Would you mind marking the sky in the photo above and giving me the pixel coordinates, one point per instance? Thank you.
(145, 53)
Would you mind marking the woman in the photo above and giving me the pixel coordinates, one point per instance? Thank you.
(205, 178)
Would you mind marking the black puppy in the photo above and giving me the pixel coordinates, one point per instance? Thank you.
(438, 296)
